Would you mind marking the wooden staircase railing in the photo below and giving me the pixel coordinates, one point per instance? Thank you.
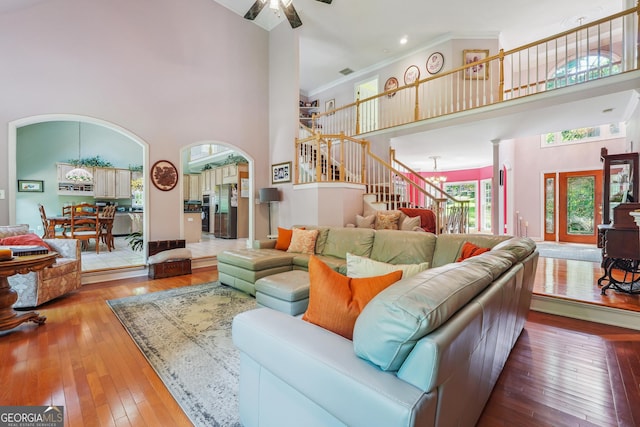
(343, 159)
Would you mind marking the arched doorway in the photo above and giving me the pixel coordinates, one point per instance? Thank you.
(40, 145)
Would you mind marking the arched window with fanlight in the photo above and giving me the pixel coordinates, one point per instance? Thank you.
(592, 66)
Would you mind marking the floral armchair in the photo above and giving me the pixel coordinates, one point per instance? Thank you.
(38, 287)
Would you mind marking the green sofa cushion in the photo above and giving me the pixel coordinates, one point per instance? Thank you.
(358, 241)
(403, 247)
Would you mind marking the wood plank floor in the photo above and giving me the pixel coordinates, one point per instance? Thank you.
(562, 372)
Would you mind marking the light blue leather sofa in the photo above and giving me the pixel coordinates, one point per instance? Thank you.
(427, 351)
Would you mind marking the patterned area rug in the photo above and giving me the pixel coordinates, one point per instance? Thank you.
(569, 251)
(185, 333)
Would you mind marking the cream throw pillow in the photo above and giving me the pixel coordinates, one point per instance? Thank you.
(303, 241)
(365, 221)
(359, 266)
(410, 223)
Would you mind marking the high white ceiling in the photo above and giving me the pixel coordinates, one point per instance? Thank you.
(358, 34)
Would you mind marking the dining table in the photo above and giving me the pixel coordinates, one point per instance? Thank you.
(64, 222)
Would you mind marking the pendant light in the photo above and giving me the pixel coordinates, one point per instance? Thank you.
(436, 179)
(78, 174)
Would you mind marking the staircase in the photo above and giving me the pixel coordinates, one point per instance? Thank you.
(341, 159)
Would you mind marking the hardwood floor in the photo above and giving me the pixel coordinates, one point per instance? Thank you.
(562, 372)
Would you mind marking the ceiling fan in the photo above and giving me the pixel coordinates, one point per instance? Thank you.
(276, 5)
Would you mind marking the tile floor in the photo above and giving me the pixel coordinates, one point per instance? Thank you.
(123, 256)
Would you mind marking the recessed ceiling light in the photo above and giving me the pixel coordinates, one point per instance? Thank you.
(404, 40)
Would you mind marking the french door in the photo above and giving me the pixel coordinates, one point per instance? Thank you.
(578, 206)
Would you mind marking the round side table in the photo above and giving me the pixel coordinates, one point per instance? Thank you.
(9, 318)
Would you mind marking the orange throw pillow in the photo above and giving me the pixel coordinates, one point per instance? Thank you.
(336, 301)
(469, 250)
(284, 238)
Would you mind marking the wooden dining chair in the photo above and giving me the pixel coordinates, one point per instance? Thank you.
(48, 231)
(106, 216)
(85, 224)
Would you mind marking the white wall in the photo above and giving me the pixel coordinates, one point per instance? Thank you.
(172, 73)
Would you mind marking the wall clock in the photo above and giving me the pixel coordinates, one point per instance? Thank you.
(164, 175)
(411, 74)
(435, 62)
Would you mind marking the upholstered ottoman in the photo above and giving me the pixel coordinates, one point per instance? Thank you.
(287, 292)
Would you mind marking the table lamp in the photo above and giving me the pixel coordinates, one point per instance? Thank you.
(268, 195)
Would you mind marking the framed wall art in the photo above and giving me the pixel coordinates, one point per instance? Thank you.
(281, 173)
(435, 62)
(30, 186)
(411, 74)
(478, 71)
(164, 175)
(391, 84)
(330, 105)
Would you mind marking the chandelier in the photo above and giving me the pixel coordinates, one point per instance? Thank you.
(78, 174)
(436, 179)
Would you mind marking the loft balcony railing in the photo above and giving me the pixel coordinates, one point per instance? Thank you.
(589, 52)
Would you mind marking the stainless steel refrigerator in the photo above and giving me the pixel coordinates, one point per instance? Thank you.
(225, 217)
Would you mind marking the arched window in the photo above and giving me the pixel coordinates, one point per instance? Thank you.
(584, 68)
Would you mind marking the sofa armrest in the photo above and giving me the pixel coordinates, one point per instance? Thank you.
(323, 367)
(67, 248)
(264, 244)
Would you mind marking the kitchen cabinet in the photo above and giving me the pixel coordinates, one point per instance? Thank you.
(191, 187)
(111, 183)
(192, 227)
(207, 177)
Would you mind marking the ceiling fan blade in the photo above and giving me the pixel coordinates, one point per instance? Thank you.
(325, 1)
(291, 14)
(255, 10)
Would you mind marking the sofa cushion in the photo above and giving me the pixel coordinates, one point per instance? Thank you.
(303, 241)
(284, 239)
(427, 217)
(342, 240)
(387, 220)
(520, 247)
(448, 246)
(410, 223)
(24, 240)
(388, 328)
(469, 250)
(255, 259)
(13, 230)
(358, 266)
(403, 247)
(335, 301)
(365, 221)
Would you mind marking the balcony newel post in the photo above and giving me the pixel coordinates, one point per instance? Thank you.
(416, 113)
(501, 82)
(358, 114)
(318, 156)
(342, 154)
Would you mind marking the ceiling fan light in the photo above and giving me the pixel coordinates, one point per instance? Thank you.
(273, 4)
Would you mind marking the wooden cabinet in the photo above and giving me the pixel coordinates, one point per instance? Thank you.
(191, 187)
(207, 181)
(229, 174)
(111, 183)
(620, 181)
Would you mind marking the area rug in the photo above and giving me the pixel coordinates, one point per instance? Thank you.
(569, 251)
(185, 334)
